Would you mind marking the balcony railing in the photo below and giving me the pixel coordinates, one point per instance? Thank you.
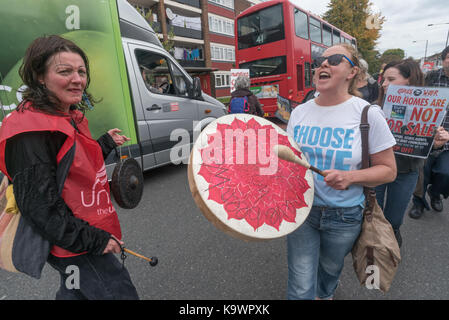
(185, 32)
(193, 3)
(192, 63)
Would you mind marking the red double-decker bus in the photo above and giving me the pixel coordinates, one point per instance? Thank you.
(277, 41)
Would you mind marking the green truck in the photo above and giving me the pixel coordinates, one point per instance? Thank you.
(143, 89)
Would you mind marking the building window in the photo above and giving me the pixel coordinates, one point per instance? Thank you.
(224, 3)
(222, 53)
(222, 80)
(221, 25)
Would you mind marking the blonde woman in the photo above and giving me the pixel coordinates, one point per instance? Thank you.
(327, 130)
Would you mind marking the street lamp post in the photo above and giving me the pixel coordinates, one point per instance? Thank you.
(425, 52)
(436, 24)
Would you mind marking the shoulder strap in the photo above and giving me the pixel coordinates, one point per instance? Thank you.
(370, 193)
(247, 105)
(364, 130)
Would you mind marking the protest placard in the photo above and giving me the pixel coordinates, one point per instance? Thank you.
(413, 114)
(234, 75)
(285, 107)
(266, 91)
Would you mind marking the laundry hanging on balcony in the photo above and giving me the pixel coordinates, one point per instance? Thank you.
(185, 22)
(188, 54)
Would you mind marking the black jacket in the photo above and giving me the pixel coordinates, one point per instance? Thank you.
(370, 92)
(254, 104)
(31, 163)
(437, 78)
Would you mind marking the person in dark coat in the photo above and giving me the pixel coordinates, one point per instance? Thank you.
(242, 85)
(434, 177)
(367, 86)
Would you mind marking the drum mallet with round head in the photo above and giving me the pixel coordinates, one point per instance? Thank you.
(153, 260)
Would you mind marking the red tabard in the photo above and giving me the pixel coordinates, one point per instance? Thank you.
(86, 188)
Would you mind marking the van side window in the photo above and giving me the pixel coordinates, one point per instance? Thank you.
(155, 72)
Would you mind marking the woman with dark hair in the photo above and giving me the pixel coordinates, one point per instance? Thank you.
(46, 135)
(434, 178)
(327, 129)
(397, 194)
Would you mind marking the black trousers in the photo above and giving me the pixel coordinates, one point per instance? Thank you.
(92, 277)
(436, 174)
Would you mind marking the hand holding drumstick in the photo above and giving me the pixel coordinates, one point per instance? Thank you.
(333, 178)
(285, 153)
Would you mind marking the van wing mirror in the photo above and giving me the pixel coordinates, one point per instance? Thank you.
(196, 88)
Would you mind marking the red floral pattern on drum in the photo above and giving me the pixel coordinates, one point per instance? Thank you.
(241, 189)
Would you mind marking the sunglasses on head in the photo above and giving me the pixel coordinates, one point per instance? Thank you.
(333, 60)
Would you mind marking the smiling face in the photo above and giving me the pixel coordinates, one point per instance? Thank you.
(337, 78)
(66, 78)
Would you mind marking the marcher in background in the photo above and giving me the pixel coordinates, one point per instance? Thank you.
(316, 250)
(436, 169)
(399, 192)
(379, 76)
(37, 139)
(242, 85)
(367, 86)
(312, 94)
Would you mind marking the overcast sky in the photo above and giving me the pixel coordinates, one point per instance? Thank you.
(406, 21)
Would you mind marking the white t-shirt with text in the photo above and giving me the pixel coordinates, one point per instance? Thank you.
(329, 137)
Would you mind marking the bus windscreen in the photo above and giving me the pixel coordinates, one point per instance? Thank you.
(261, 27)
(266, 67)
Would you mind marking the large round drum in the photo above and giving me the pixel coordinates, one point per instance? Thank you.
(239, 183)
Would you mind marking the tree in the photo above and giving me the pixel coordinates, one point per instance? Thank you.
(356, 18)
(392, 55)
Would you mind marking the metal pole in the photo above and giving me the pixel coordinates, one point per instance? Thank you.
(425, 52)
(447, 38)
(435, 24)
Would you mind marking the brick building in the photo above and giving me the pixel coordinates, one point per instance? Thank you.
(202, 32)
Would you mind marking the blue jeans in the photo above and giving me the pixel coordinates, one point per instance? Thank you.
(436, 174)
(399, 192)
(317, 249)
(101, 278)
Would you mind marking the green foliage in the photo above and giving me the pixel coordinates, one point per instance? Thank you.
(356, 18)
(392, 55)
(169, 43)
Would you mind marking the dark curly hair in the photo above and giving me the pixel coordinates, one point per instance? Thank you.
(35, 65)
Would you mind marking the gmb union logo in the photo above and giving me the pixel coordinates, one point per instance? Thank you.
(417, 92)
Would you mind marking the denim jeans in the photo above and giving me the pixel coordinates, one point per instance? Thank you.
(436, 174)
(101, 278)
(399, 192)
(317, 249)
